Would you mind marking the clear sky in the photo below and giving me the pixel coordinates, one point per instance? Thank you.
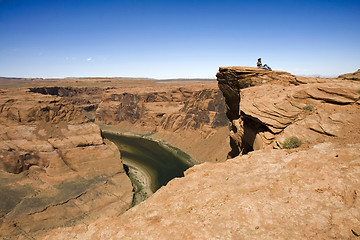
(174, 39)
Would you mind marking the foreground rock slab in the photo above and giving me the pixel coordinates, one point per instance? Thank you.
(272, 194)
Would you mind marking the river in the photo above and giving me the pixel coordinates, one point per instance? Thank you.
(149, 164)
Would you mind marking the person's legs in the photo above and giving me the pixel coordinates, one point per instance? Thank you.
(267, 67)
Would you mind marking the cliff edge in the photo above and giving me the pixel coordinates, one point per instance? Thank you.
(283, 105)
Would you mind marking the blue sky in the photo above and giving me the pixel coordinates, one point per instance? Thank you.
(174, 39)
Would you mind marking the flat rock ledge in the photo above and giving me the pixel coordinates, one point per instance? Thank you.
(272, 194)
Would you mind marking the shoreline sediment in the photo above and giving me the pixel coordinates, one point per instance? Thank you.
(151, 164)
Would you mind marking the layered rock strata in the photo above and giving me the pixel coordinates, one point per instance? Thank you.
(55, 169)
(191, 110)
(282, 106)
(85, 98)
(174, 109)
(177, 110)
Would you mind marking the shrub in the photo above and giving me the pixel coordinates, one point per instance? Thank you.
(308, 108)
(291, 142)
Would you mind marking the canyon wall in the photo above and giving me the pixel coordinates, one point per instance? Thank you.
(168, 111)
(267, 191)
(56, 169)
(192, 120)
(177, 110)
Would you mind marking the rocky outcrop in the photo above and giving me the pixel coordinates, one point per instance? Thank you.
(86, 98)
(351, 76)
(280, 107)
(55, 168)
(48, 111)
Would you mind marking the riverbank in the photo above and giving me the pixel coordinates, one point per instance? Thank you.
(151, 164)
(152, 136)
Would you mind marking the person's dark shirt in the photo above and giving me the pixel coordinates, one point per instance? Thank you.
(259, 64)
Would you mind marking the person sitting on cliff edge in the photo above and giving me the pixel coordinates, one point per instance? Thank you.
(259, 65)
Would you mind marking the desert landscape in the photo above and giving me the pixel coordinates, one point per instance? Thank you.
(276, 157)
(179, 120)
(57, 169)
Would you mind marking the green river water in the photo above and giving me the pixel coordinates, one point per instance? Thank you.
(150, 164)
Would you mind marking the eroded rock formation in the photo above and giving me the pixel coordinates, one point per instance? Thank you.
(55, 168)
(281, 106)
(86, 98)
(180, 109)
(192, 110)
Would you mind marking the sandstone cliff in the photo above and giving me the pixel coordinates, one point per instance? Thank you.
(191, 110)
(55, 169)
(281, 107)
(308, 192)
